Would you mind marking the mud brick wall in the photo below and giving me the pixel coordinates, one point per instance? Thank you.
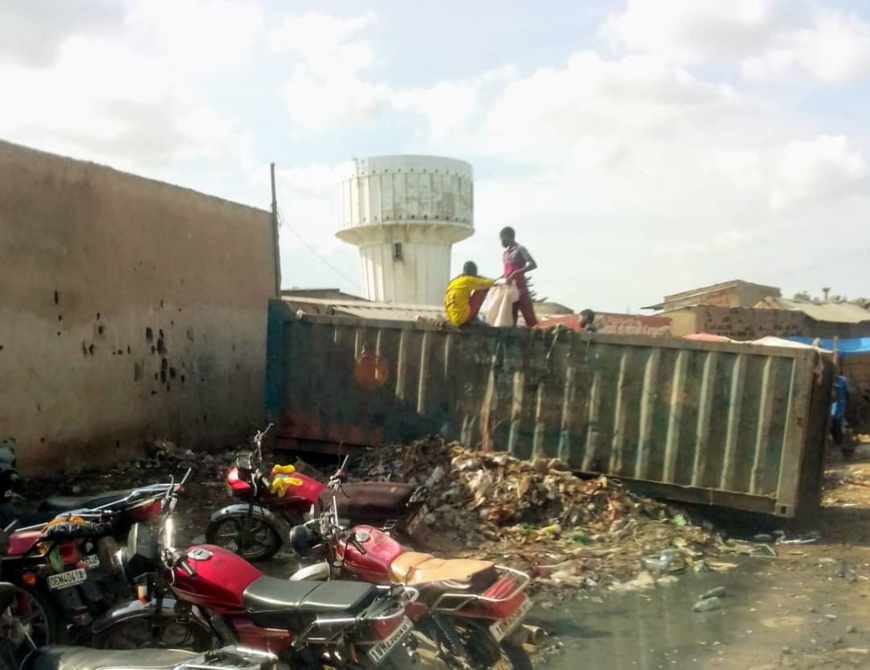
(857, 368)
(746, 323)
(130, 310)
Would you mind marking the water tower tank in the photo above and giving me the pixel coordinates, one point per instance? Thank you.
(404, 213)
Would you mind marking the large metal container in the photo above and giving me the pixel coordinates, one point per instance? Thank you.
(725, 424)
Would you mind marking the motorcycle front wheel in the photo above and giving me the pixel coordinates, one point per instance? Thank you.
(137, 633)
(251, 538)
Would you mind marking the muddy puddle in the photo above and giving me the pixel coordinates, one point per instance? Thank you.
(773, 615)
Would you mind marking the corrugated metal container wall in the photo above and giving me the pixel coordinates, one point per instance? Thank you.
(723, 424)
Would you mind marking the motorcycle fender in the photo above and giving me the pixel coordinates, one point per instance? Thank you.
(258, 512)
(318, 572)
(135, 609)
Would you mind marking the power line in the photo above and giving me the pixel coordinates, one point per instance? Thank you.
(282, 222)
(851, 254)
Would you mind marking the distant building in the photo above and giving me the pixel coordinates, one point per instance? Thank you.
(735, 293)
(615, 324)
(319, 293)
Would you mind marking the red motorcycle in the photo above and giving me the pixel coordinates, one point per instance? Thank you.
(64, 567)
(190, 598)
(471, 610)
(271, 504)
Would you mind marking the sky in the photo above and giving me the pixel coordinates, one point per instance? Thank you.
(639, 147)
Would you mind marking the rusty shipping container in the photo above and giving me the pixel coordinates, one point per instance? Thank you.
(724, 424)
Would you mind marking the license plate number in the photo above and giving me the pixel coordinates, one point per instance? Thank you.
(502, 628)
(67, 579)
(381, 650)
(92, 561)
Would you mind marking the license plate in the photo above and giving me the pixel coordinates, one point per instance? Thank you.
(67, 579)
(92, 561)
(380, 651)
(503, 627)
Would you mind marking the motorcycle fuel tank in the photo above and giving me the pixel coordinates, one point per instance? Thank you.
(219, 578)
(380, 552)
(300, 492)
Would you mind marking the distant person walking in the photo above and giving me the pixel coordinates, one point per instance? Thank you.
(517, 263)
(465, 295)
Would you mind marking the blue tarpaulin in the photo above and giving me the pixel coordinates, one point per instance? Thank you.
(857, 345)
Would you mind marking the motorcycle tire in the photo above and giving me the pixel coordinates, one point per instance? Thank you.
(262, 549)
(135, 633)
(51, 630)
(485, 653)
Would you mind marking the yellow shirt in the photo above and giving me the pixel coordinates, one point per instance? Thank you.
(458, 292)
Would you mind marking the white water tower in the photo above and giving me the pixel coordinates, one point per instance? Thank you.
(404, 213)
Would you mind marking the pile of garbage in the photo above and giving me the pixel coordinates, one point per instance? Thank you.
(538, 516)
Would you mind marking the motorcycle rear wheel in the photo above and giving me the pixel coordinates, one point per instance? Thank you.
(485, 653)
(252, 539)
(136, 633)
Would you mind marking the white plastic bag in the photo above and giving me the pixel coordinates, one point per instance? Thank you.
(500, 312)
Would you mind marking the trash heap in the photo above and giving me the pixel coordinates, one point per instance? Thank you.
(538, 516)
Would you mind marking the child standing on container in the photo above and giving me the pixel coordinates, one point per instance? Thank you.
(517, 263)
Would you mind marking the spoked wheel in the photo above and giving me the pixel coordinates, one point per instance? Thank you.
(29, 622)
(253, 539)
(138, 633)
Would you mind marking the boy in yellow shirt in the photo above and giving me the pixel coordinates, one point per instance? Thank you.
(465, 295)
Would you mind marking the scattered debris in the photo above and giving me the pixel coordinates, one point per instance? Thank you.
(708, 605)
(538, 516)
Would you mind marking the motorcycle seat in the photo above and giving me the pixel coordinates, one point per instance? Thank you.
(371, 502)
(81, 658)
(418, 569)
(280, 603)
(68, 503)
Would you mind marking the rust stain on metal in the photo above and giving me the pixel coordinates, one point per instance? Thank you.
(699, 421)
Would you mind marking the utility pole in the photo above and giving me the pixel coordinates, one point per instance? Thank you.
(275, 235)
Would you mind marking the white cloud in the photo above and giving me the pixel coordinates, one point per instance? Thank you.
(597, 111)
(447, 106)
(766, 39)
(128, 95)
(834, 50)
(329, 46)
(740, 166)
(326, 87)
(693, 30)
(826, 167)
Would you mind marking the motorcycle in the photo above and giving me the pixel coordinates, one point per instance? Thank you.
(65, 571)
(81, 658)
(272, 504)
(206, 593)
(472, 610)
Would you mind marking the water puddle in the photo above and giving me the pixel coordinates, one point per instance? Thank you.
(768, 617)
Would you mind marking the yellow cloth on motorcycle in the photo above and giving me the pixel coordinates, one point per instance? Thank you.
(282, 470)
(281, 483)
(65, 519)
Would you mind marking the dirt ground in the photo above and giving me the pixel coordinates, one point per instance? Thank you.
(805, 608)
